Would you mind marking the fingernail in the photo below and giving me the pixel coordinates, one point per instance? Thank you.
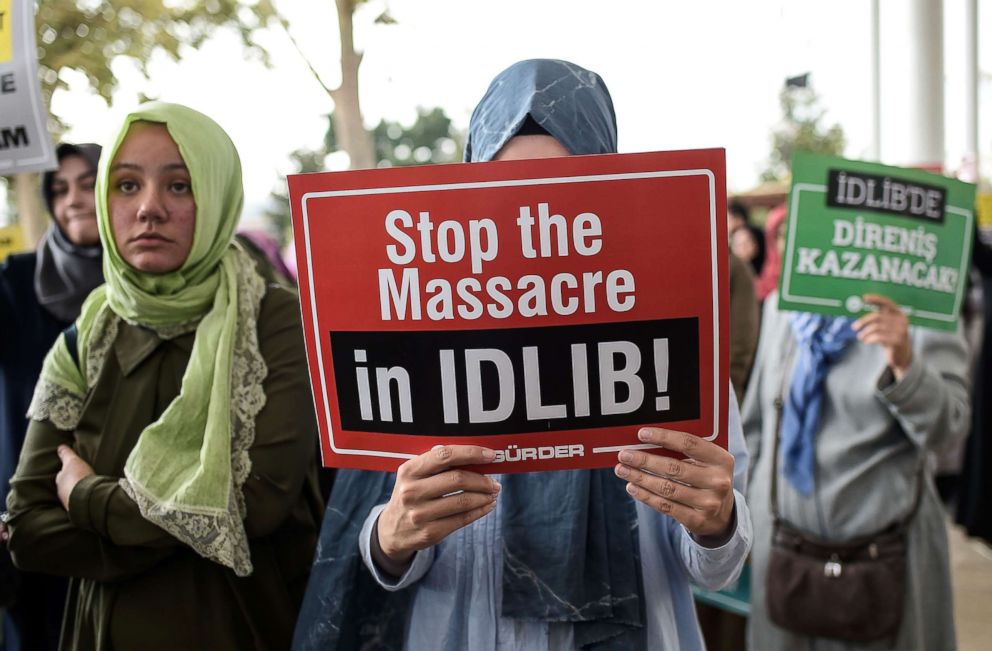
(632, 490)
(497, 487)
(626, 456)
(488, 454)
(622, 471)
(643, 434)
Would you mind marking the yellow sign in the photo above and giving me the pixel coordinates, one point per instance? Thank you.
(11, 239)
(6, 31)
(984, 201)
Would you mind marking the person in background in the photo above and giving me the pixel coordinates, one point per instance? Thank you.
(974, 508)
(168, 469)
(849, 412)
(264, 248)
(744, 244)
(774, 238)
(746, 239)
(589, 559)
(41, 293)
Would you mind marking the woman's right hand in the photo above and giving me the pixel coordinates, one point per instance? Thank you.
(434, 497)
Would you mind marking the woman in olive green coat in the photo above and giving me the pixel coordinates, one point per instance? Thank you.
(169, 466)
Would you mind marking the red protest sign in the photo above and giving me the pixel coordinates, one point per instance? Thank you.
(543, 308)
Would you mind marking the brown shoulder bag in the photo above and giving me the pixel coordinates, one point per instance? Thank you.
(852, 590)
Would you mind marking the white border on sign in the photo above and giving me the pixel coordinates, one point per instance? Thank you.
(514, 183)
(798, 189)
(29, 52)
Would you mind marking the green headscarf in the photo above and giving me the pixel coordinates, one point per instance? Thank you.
(187, 468)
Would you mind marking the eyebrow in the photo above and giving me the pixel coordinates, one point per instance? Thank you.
(60, 178)
(138, 168)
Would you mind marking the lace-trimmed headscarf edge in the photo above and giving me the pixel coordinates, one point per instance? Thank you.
(214, 533)
(58, 396)
(219, 533)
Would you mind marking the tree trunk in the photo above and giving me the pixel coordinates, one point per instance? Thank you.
(348, 125)
(30, 210)
(349, 128)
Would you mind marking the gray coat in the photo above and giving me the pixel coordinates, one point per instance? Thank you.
(865, 469)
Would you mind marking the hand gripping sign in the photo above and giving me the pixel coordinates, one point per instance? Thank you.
(545, 309)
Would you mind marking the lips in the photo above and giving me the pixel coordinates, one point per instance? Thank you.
(149, 238)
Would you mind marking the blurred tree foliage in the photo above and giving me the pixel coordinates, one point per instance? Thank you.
(304, 162)
(430, 139)
(801, 129)
(88, 35)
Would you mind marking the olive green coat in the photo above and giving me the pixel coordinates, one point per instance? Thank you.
(133, 585)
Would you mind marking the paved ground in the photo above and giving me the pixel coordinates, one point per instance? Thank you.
(971, 568)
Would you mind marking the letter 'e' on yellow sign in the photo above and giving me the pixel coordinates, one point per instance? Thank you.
(6, 31)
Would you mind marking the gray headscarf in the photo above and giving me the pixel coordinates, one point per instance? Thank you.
(568, 102)
(66, 273)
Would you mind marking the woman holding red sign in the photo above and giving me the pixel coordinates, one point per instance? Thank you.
(438, 557)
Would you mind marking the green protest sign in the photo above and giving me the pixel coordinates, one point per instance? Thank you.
(856, 228)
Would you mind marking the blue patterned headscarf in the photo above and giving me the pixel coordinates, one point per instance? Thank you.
(821, 340)
(570, 103)
(588, 507)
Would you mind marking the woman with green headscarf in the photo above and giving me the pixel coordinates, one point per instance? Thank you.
(168, 468)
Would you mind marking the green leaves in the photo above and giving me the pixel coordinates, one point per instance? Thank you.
(801, 129)
(88, 35)
(431, 139)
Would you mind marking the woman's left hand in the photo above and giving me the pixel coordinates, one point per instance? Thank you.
(73, 470)
(888, 327)
(697, 491)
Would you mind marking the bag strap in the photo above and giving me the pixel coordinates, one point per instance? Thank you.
(779, 404)
(901, 524)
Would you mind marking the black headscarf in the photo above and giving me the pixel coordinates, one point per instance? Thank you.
(66, 273)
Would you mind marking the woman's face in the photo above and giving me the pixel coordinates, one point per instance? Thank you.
(150, 197)
(73, 204)
(742, 244)
(533, 146)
